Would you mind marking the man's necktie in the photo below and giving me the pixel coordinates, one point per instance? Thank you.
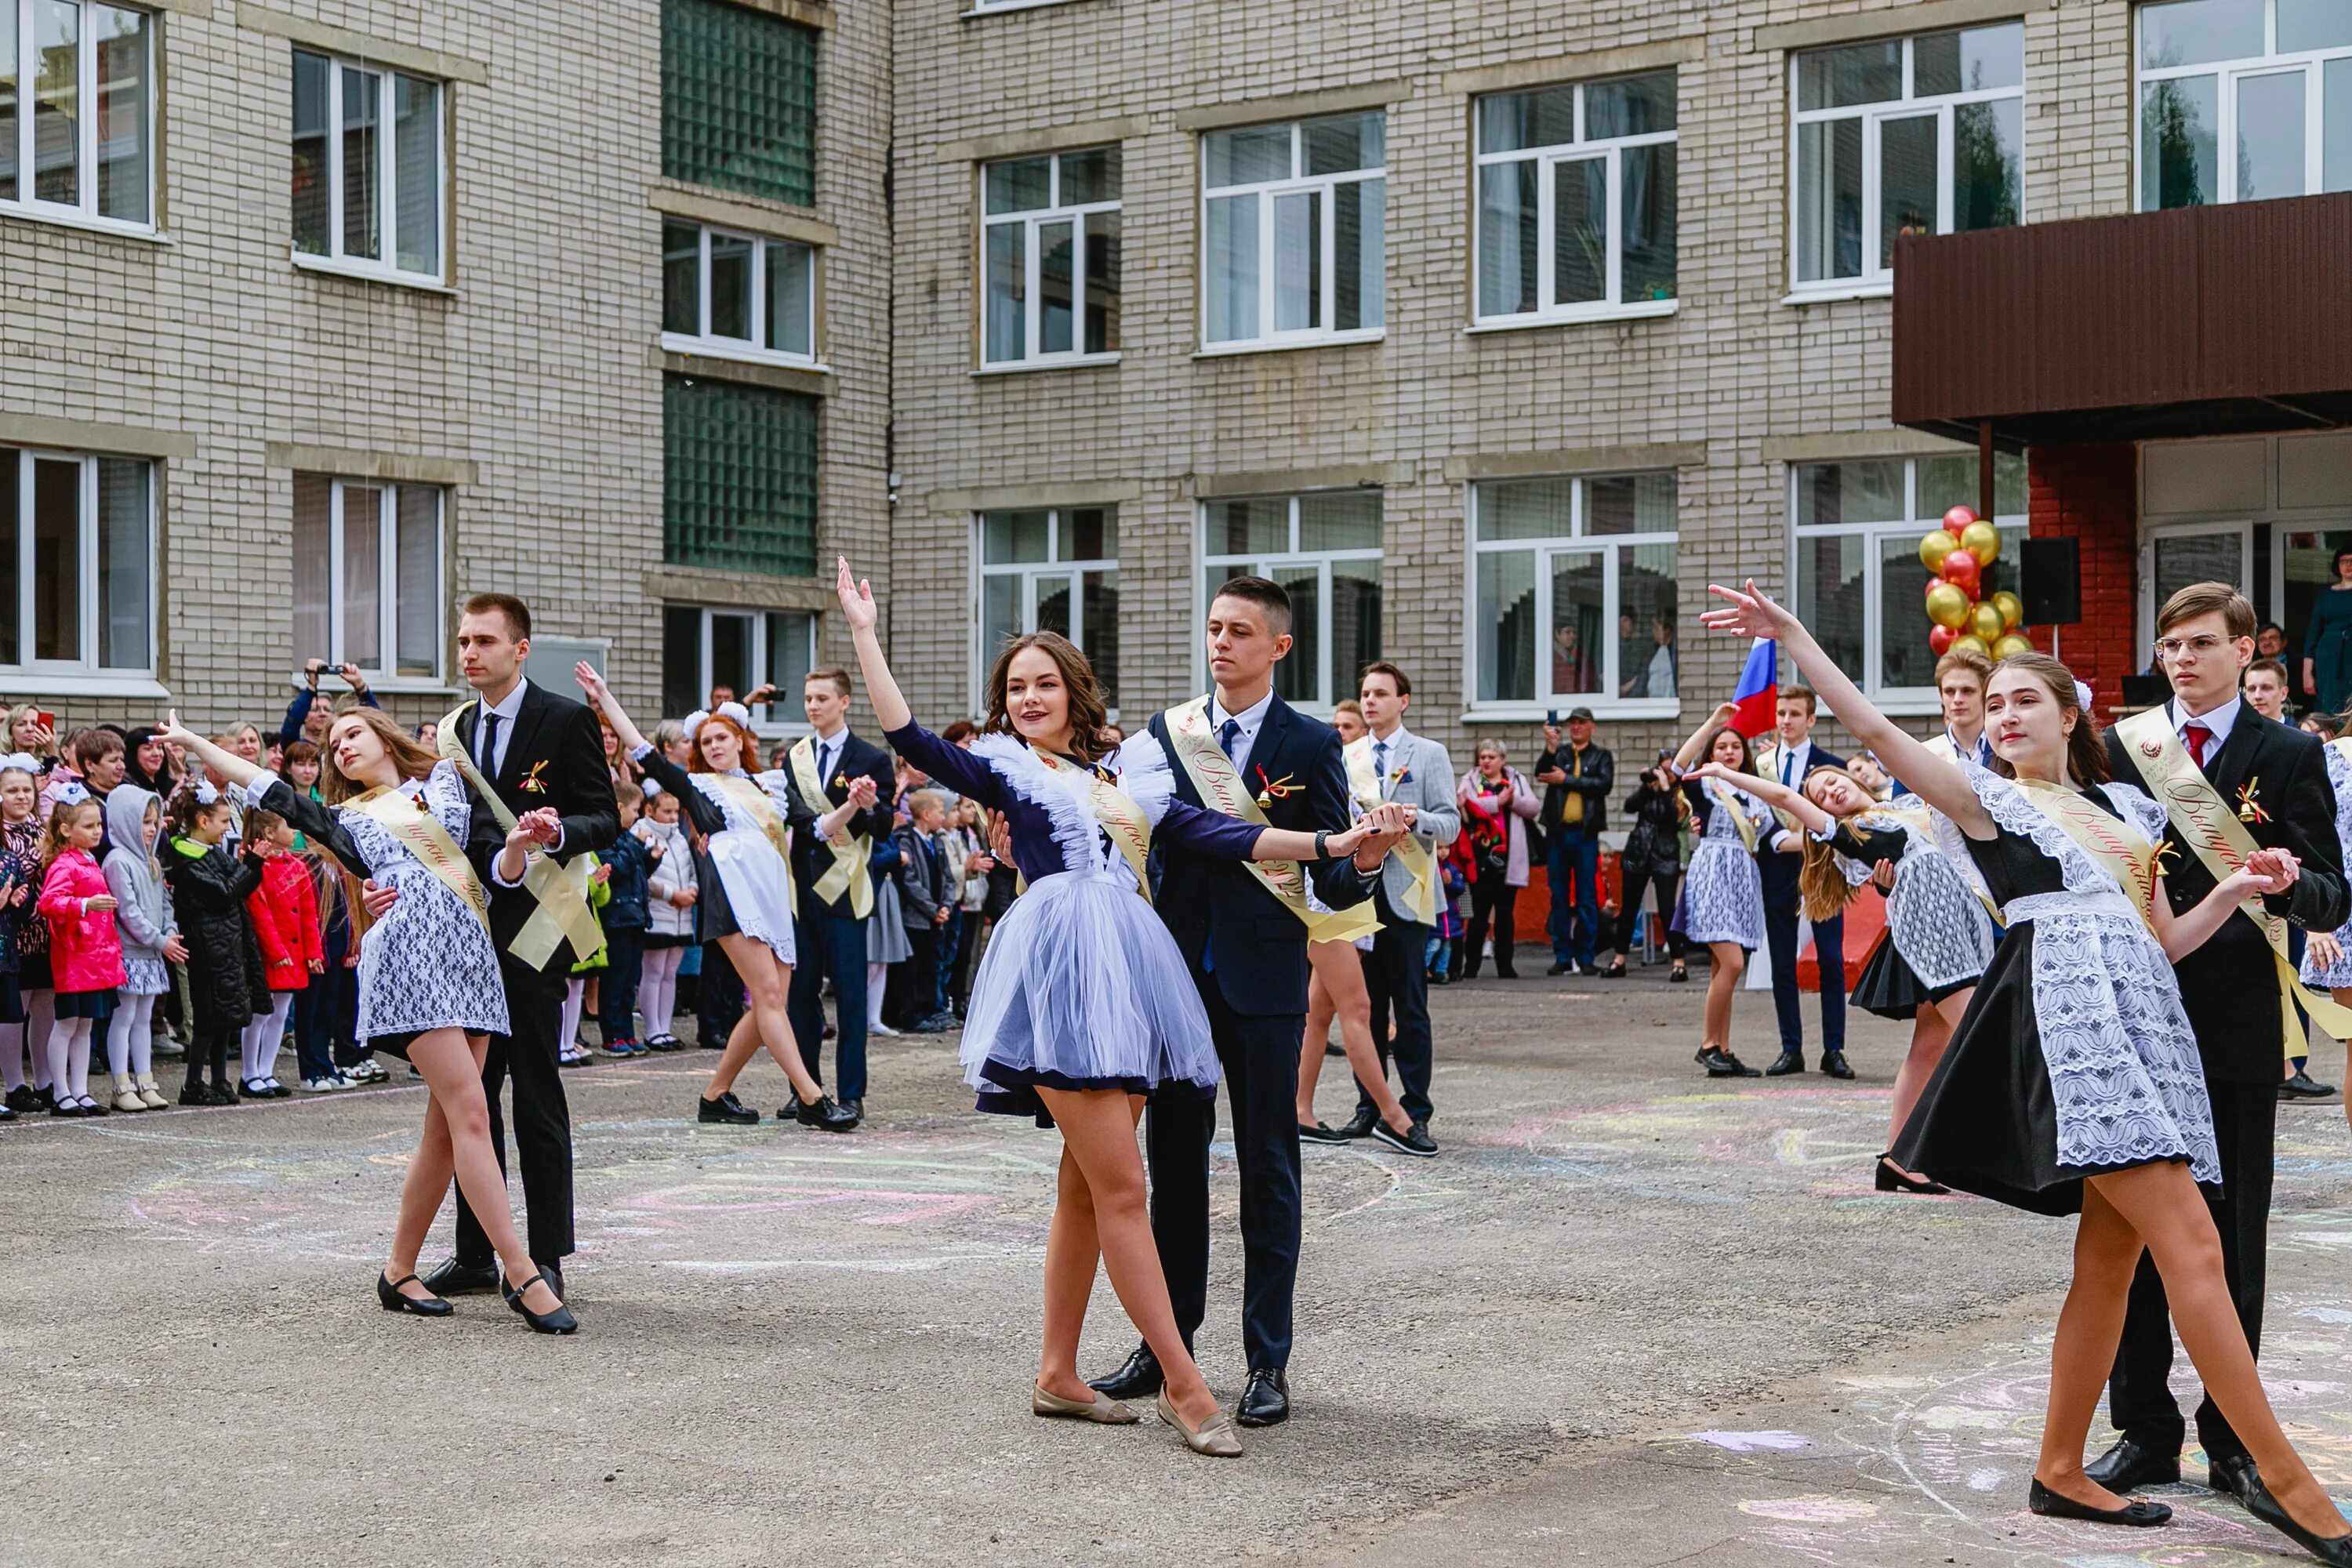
(824, 764)
(1227, 733)
(1381, 763)
(1788, 763)
(2197, 737)
(489, 761)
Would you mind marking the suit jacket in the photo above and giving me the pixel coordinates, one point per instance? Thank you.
(555, 757)
(2230, 986)
(1258, 948)
(925, 885)
(812, 857)
(1780, 868)
(1428, 785)
(1597, 783)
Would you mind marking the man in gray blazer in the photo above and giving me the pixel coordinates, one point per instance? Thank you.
(1396, 971)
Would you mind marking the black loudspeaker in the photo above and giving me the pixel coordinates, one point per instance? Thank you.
(2049, 581)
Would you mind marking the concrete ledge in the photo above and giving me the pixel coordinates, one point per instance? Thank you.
(349, 463)
(1045, 139)
(1576, 67)
(90, 435)
(1283, 481)
(1926, 15)
(202, 8)
(1835, 446)
(773, 220)
(1585, 461)
(343, 41)
(1294, 106)
(805, 12)
(1031, 498)
(775, 378)
(689, 585)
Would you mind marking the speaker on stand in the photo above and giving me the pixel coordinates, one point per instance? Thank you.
(2050, 583)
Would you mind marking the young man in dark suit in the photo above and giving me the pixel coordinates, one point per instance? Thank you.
(1247, 951)
(2272, 779)
(544, 755)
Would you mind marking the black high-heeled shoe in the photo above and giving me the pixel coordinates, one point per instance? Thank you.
(1890, 1180)
(559, 1322)
(2334, 1550)
(388, 1292)
(2139, 1513)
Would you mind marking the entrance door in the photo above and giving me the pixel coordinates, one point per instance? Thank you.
(2173, 557)
(2304, 571)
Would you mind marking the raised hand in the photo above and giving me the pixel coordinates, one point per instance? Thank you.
(1749, 614)
(590, 683)
(857, 606)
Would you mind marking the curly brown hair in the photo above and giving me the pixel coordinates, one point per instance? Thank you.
(1088, 714)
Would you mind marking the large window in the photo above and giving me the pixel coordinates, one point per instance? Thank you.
(2242, 101)
(1573, 585)
(77, 563)
(1576, 200)
(1860, 585)
(1324, 548)
(738, 478)
(732, 295)
(367, 167)
(1049, 256)
(86, 73)
(368, 582)
(705, 647)
(1919, 135)
(1291, 231)
(739, 100)
(1054, 571)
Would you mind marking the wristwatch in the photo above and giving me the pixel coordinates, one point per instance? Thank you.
(1321, 852)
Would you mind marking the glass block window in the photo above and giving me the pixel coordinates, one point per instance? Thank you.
(738, 486)
(739, 100)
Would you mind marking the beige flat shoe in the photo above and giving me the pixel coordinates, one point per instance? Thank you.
(126, 1094)
(1215, 1436)
(148, 1095)
(1103, 1409)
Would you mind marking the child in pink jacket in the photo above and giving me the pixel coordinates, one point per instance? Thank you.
(85, 949)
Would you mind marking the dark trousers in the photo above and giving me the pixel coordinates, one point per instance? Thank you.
(2139, 1394)
(325, 1013)
(1573, 864)
(966, 955)
(830, 944)
(616, 999)
(1663, 882)
(542, 1121)
(1780, 917)
(1396, 973)
(718, 998)
(1260, 1057)
(917, 980)
(1491, 900)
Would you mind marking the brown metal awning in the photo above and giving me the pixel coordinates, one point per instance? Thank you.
(2199, 320)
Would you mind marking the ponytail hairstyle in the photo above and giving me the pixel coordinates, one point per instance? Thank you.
(186, 808)
(2087, 752)
(53, 841)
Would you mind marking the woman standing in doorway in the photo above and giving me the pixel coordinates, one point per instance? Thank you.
(2327, 641)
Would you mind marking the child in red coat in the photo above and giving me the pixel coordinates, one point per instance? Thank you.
(85, 949)
(284, 911)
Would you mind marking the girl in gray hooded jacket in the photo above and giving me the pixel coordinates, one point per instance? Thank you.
(150, 939)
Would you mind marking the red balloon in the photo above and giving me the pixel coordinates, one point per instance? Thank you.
(1939, 640)
(1934, 583)
(1958, 517)
(1960, 570)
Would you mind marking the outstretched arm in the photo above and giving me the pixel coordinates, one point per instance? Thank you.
(600, 697)
(1368, 841)
(1722, 715)
(1773, 792)
(2179, 935)
(228, 765)
(859, 608)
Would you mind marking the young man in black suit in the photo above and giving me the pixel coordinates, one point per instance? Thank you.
(1247, 950)
(829, 928)
(2271, 780)
(544, 755)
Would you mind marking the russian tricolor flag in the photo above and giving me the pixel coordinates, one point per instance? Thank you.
(1758, 692)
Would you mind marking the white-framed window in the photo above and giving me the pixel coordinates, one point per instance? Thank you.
(1572, 594)
(1917, 135)
(2243, 100)
(367, 168)
(1576, 201)
(1859, 584)
(1054, 570)
(368, 583)
(85, 70)
(1049, 257)
(1323, 549)
(77, 563)
(736, 296)
(705, 647)
(1292, 225)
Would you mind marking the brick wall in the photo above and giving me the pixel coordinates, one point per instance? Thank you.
(2091, 493)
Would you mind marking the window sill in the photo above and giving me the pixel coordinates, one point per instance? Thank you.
(69, 218)
(385, 686)
(327, 267)
(1624, 710)
(83, 683)
(1032, 367)
(1882, 288)
(1334, 340)
(739, 353)
(1640, 311)
(978, 10)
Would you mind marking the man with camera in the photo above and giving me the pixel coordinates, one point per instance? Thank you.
(1579, 777)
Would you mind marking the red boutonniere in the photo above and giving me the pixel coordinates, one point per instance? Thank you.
(2249, 809)
(1272, 790)
(531, 783)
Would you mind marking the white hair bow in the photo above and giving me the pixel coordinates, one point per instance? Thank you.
(2082, 695)
(735, 711)
(24, 761)
(72, 795)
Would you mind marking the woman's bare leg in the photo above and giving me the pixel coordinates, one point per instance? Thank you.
(427, 1184)
(1341, 969)
(2090, 1327)
(1722, 982)
(1072, 1250)
(1319, 1013)
(451, 1062)
(1098, 1130)
(766, 982)
(1931, 1031)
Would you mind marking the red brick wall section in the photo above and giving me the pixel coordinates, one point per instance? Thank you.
(2092, 492)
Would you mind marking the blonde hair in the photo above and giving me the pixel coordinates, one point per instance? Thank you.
(53, 839)
(1821, 883)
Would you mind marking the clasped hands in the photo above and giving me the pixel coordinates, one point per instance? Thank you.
(1371, 839)
(2267, 872)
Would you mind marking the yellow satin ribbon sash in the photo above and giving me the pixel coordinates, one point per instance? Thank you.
(1119, 816)
(1370, 789)
(848, 872)
(1728, 799)
(760, 807)
(411, 821)
(560, 890)
(2119, 853)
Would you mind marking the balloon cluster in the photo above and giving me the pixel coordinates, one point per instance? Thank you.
(1966, 617)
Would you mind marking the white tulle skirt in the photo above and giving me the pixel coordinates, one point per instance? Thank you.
(1083, 988)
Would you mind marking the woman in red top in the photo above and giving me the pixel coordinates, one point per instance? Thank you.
(284, 911)
(85, 950)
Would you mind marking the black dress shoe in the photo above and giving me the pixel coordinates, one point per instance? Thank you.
(2131, 1465)
(1721, 1063)
(2333, 1550)
(1834, 1064)
(823, 1115)
(1322, 1132)
(553, 1273)
(1414, 1140)
(1140, 1378)
(2139, 1513)
(1333, 1049)
(855, 1106)
(1784, 1064)
(2302, 1086)
(725, 1109)
(1361, 1125)
(22, 1099)
(1560, 969)
(456, 1279)
(1265, 1399)
(387, 1291)
(2232, 1473)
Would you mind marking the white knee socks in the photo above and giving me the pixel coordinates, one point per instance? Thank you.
(572, 995)
(40, 1011)
(658, 989)
(131, 1037)
(69, 1058)
(878, 976)
(262, 1038)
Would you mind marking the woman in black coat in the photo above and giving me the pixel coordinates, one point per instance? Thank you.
(1652, 855)
(226, 985)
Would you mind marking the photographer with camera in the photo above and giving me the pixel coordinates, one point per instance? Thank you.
(1653, 856)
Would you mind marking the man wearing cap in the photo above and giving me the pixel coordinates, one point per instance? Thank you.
(1579, 777)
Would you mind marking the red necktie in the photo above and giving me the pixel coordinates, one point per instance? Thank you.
(2198, 738)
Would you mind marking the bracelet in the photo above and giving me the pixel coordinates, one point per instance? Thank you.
(1321, 852)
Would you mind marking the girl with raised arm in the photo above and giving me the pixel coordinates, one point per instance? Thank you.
(1723, 893)
(397, 815)
(1083, 1008)
(745, 883)
(2072, 1082)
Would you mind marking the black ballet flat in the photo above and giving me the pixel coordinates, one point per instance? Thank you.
(1890, 1180)
(2139, 1512)
(388, 1292)
(559, 1322)
(2334, 1550)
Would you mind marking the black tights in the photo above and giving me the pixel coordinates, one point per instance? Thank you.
(211, 1046)
(1664, 883)
(1492, 904)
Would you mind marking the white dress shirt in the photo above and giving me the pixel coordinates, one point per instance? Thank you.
(2221, 720)
(1252, 718)
(506, 708)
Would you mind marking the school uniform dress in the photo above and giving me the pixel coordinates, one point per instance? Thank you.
(1723, 893)
(1938, 936)
(2340, 973)
(745, 888)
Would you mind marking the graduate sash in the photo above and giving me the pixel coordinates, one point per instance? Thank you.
(412, 822)
(560, 892)
(848, 872)
(1370, 789)
(2215, 832)
(1120, 816)
(1726, 799)
(2104, 838)
(758, 805)
(1221, 789)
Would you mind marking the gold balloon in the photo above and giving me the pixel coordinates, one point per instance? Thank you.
(1971, 643)
(1982, 538)
(1934, 548)
(1946, 605)
(1984, 619)
(2010, 645)
(2011, 608)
